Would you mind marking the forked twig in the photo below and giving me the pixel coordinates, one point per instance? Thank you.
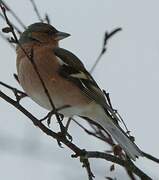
(15, 27)
(107, 36)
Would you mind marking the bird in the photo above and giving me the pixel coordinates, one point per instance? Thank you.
(67, 81)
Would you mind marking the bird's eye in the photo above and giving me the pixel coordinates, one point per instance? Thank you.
(39, 37)
(34, 39)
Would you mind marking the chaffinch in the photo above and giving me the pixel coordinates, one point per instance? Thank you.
(67, 81)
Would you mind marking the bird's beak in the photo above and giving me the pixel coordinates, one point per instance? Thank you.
(61, 35)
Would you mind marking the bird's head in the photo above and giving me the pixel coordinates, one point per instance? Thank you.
(41, 33)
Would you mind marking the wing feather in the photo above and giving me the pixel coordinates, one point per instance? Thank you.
(74, 70)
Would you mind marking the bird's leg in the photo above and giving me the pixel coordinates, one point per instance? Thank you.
(64, 133)
(51, 113)
(66, 128)
(48, 117)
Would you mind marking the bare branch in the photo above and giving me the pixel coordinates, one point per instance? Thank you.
(15, 27)
(12, 88)
(78, 152)
(18, 94)
(88, 131)
(47, 18)
(7, 40)
(5, 5)
(149, 156)
(106, 38)
(36, 10)
(128, 164)
(90, 154)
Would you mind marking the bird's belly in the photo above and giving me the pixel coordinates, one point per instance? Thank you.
(61, 91)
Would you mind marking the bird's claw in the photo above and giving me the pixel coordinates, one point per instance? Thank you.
(49, 116)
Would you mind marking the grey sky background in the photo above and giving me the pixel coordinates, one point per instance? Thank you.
(129, 71)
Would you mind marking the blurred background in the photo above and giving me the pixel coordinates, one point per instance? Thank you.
(129, 71)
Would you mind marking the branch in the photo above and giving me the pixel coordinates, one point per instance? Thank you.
(41, 126)
(127, 164)
(12, 13)
(149, 156)
(36, 10)
(78, 152)
(107, 36)
(12, 88)
(7, 40)
(15, 27)
(47, 18)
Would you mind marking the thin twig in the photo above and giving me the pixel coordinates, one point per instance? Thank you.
(36, 10)
(149, 156)
(87, 131)
(47, 18)
(7, 40)
(9, 23)
(115, 111)
(15, 27)
(107, 36)
(12, 13)
(68, 123)
(12, 88)
(18, 94)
